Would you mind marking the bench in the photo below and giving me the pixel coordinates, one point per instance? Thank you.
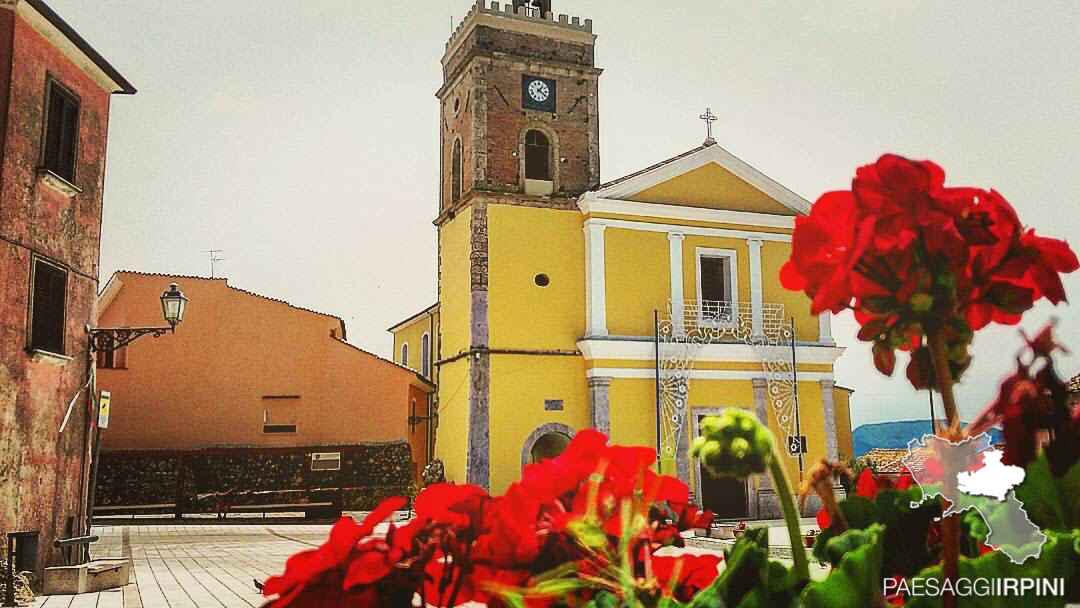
(310, 509)
(133, 510)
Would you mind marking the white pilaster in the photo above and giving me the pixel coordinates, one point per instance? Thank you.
(595, 280)
(675, 253)
(756, 297)
(825, 328)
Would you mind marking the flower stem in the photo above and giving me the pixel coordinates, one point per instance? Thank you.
(944, 377)
(950, 528)
(791, 516)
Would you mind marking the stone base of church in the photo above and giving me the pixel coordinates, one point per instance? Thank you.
(766, 505)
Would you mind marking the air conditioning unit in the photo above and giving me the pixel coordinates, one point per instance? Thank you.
(326, 461)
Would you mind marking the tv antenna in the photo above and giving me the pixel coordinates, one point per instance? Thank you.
(214, 258)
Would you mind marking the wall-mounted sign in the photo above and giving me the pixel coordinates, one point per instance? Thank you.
(103, 410)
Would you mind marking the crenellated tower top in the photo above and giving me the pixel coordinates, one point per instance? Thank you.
(520, 10)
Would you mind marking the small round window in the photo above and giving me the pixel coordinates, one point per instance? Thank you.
(542, 280)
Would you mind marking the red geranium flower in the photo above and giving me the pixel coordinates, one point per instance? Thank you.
(915, 260)
(684, 576)
(307, 567)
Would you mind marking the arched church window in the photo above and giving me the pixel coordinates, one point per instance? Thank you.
(456, 171)
(537, 156)
(425, 356)
(405, 354)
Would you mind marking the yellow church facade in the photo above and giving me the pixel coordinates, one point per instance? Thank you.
(635, 307)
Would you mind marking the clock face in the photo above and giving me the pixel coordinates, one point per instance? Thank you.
(539, 91)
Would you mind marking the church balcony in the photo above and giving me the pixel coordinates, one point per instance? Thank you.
(722, 331)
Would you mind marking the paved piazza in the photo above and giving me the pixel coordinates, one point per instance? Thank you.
(193, 565)
(209, 565)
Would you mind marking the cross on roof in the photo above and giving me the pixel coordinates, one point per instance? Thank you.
(709, 118)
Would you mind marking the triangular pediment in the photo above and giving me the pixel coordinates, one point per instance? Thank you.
(707, 177)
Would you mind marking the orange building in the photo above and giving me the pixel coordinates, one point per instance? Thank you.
(244, 370)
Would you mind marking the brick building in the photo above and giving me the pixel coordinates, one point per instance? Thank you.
(54, 107)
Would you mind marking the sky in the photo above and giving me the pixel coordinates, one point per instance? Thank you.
(302, 138)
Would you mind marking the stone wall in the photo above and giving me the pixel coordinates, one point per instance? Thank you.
(206, 481)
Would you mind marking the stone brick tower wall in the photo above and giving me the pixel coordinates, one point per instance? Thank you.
(481, 100)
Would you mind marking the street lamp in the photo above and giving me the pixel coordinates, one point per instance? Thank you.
(173, 303)
(107, 339)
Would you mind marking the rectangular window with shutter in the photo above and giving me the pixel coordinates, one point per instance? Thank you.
(279, 413)
(61, 131)
(48, 307)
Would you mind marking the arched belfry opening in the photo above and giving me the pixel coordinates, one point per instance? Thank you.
(542, 7)
(537, 156)
(456, 170)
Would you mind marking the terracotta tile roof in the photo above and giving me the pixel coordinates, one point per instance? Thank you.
(413, 317)
(58, 22)
(187, 277)
(888, 460)
(652, 167)
(1073, 385)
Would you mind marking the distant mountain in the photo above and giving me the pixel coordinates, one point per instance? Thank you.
(896, 435)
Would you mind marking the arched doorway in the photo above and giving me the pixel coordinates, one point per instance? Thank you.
(547, 441)
(726, 497)
(549, 446)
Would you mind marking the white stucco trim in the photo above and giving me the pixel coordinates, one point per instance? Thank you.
(708, 154)
(642, 349)
(675, 255)
(696, 230)
(732, 257)
(591, 203)
(825, 328)
(698, 374)
(756, 294)
(595, 279)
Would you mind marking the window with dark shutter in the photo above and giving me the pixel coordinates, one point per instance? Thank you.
(537, 156)
(715, 281)
(61, 132)
(47, 314)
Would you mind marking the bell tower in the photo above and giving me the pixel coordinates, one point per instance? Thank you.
(518, 105)
(519, 142)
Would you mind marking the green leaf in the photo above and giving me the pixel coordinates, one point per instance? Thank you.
(906, 530)
(604, 599)
(859, 512)
(906, 551)
(1050, 502)
(856, 580)
(1060, 558)
(749, 579)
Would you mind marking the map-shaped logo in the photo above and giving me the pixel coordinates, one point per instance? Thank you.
(970, 475)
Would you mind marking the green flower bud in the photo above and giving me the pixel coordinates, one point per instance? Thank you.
(734, 443)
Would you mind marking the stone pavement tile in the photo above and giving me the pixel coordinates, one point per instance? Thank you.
(175, 596)
(221, 592)
(84, 600)
(113, 598)
(198, 594)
